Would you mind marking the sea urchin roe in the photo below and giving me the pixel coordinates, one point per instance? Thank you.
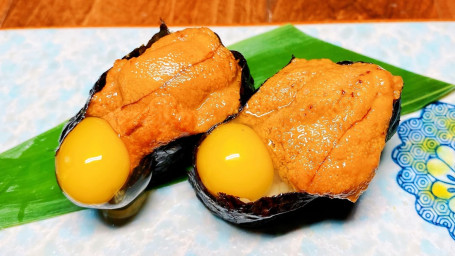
(185, 83)
(233, 160)
(325, 124)
(92, 163)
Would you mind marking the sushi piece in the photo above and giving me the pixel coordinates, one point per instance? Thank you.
(146, 113)
(315, 129)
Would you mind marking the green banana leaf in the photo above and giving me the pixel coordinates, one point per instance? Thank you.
(28, 188)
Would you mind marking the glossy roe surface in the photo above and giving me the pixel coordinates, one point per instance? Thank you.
(325, 124)
(185, 83)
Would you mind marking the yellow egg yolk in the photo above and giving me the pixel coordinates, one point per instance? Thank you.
(92, 163)
(233, 160)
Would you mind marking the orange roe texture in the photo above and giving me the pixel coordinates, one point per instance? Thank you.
(183, 84)
(330, 129)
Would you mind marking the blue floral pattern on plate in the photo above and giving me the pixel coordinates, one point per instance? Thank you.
(427, 159)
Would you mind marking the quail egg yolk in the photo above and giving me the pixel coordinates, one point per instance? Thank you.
(233, 160)
(92, 163)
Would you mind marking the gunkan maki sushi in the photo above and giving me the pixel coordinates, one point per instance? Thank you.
(315, 129)
(145, 114)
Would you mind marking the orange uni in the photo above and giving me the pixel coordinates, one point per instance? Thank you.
(185, 83)
(325, 124)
